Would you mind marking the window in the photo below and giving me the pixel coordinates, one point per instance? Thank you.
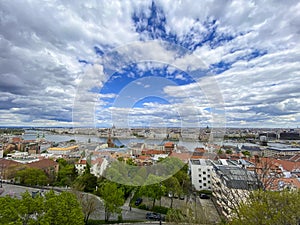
(204, 184)
(204, 178)
(208, 182)
(208, 175)
(199, 170)
(204, 172)
(200, 186)
(199, 175)
(200, 181)
(208, 169)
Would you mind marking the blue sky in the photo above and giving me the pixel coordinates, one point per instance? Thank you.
(142, 63)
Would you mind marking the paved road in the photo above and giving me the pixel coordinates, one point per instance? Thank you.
(17, 191)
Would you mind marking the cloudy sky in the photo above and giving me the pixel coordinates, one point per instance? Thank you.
(150, 63)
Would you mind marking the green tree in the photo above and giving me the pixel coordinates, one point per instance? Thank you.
(269, 208)
(32, 176)
(113, 198)
(9, 211)
(66, 174)
(173, 187)
(53, 209)
(88, 203)
(154, 190)
(62, 209)
(86, 182)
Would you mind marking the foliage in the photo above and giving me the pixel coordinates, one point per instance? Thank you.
(51, 209)
(246, 153)
(143, 206)
(113, 198)
(160, 209)
(87, 182)
(269, 207)
(32, 176)
(175, 215)
(88, 203)
(172, 186)
(154, 190)
(66, 174)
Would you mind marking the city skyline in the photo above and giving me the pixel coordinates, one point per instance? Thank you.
(150, 64)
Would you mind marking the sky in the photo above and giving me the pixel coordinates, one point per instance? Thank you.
(150, 63)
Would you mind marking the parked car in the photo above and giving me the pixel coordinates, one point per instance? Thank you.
(154, 216)
(204, 196)
(138, 201)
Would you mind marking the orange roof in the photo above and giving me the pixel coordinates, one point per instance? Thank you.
(97, 160)
(169, 144)
(288, 165)
(182, 156)
(16, 139)
(294, 182)
(143, 157)
(152, 152)
(199, 150)
(81, 161)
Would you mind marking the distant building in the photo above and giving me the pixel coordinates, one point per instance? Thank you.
(49, 166)
(169, 147)
(62, 150)
(8, 168)
(1, 151)
(289, 135)
(201, 170)
(80, 166)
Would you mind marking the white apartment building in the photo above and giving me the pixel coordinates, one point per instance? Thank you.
(200, 170)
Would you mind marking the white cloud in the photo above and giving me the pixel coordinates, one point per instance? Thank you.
(41, 44)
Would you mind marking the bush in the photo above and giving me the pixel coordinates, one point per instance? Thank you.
(160, 209)
(207, 192)
(143, 206)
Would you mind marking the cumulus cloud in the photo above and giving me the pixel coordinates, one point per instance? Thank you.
(239, 57)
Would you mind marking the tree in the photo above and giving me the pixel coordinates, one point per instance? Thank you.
(88, 203)
(153, 188)
(172, 186)
(266, 171)
(52, 209)
(66, 174)
(270, 208)
(87, 182)
(113, 198)
(62, 209)
(9, 211)
(32, 176)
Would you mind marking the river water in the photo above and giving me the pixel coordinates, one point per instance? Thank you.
(32, 135)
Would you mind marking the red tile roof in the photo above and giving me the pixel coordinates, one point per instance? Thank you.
(182, 156)
(152, 152)
(286, 182)
(288, 165)
(169, 144)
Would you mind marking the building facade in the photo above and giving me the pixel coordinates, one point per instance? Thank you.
(200, 170)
